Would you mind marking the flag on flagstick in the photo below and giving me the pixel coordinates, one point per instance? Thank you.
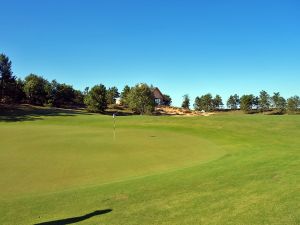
(114, 115)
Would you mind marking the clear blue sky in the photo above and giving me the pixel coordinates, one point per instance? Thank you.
(183, 47)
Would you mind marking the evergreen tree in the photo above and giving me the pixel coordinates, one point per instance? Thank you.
(167, 100)
(124, 95)
(78, 98)
(112, 94)
(37, 89)
(7, 80)
(186, 102)
(293, 104)
(197, 103)
(217, 102)
(140, 99)
(233, 102)
(247, 102)
(19, 95)
(264, 101)
(278, 102)
(206, 103)
(95, 100)
(61, 94)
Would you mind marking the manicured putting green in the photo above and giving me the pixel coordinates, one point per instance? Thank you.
(225, 169)
(53, 157)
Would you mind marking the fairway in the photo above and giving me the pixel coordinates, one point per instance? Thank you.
(222, 169)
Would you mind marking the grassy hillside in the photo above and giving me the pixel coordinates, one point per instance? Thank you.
(61, 166)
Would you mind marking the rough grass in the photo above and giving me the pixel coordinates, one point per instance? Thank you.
(223, 169)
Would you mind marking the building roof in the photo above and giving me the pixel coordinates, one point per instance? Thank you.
(157, 93)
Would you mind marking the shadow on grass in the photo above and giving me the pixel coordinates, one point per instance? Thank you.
(271, 113)
(31, 113)
(117, 113)
(75, 219)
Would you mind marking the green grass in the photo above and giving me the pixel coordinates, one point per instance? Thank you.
(223, 169)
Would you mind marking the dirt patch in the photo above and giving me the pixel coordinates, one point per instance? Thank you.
(176, 111)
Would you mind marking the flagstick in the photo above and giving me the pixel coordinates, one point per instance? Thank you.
(114, 127)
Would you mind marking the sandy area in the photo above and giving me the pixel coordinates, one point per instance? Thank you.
(175, 111)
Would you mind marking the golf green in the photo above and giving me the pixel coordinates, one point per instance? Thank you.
(61, 167)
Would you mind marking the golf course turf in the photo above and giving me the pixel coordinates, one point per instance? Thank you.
(64, 166)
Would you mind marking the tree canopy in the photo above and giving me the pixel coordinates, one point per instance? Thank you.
(7, 80)
(264, 101)
(186, 102)
(62, 94)
(112, 94)
(140, 99)
(37, 89)
(293, 104)
(233, 102)
(278, 102)
(217, 102)
(208, 103)
(167, 100)
(96, 99)
(124, 95)
(247, 102)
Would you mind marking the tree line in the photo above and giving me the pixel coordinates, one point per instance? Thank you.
(36, 90)
(248, 103)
